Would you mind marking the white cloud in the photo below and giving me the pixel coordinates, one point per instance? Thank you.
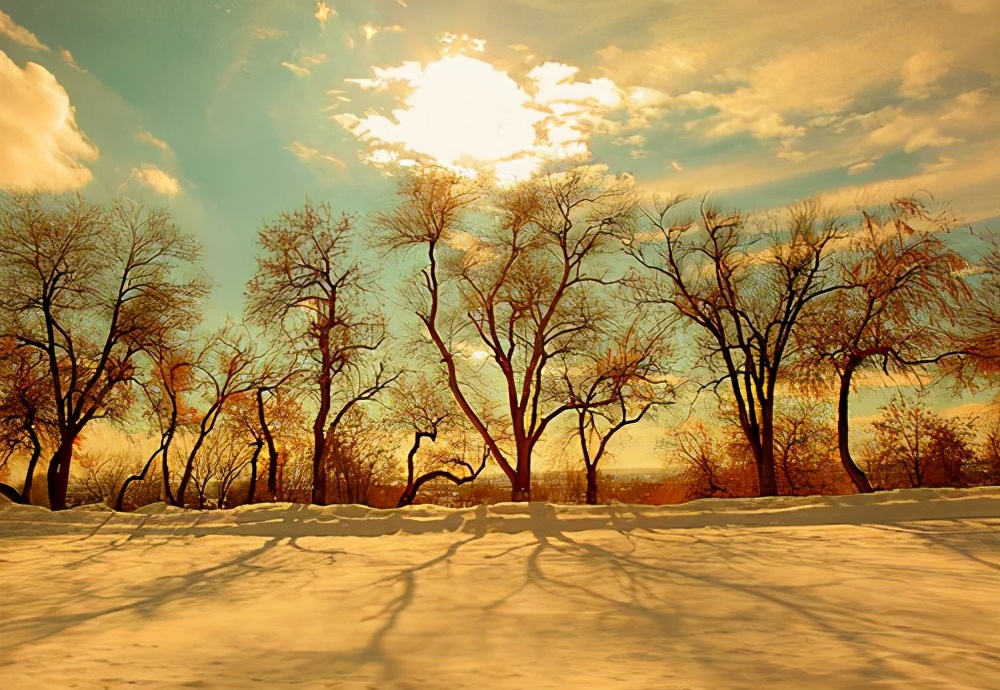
(860, 167)
(306, 153)
(157, 180)
(69, 59)
(148, 138)
(967, 182)
(913, 132)
(265, 33)
(800, 77)
(16, 32)
(305, 65)
(41, 147)
(921, 72)
(461, 111)
(323, 13)
(295, 69)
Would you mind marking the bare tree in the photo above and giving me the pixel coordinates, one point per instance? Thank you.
(167, 387)
(914, 447)
(429, 411)
(743, 300)
(223, 370)
(224, 457)
(698, 451)
(898, 314)
(508, 283)
(89, 287)
(26, 412)
(979, 337)
(360, 454)
(630, 373)
(99, 478)
(985, 468)
(311, 286)
(263, 418)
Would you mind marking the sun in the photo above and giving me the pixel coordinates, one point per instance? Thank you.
(463, 112)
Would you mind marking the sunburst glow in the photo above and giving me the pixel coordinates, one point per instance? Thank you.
(465, 113)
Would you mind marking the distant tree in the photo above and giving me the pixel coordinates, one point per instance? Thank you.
(985, 468)
(224, 370)
(508, 280)
(744, 288)
(698, 452)
(630, 373)
(805, 449)
(167, 388)
(899, 313)
(312, 289)
(979, 337)
(914, 446)
(27, 414)
(428, 410)
(360, 454)
(99, 477)
(222, 461)
(719, 462)
(90, 287)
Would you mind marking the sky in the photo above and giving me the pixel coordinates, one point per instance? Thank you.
(231, 111)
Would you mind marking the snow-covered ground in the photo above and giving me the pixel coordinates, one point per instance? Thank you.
(897, 589)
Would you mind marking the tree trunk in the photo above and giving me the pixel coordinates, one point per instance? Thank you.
(279, 479)
(120, 500)
(36, 453)
(520, 488)
(591, 485)
(856, 475)
(767, 480)
(272, 452)
(58, 474)
(788, 475)
(768, 483)
(406, 498)
(12, 494)
(319, 427)
(168, 493)
(251, 493)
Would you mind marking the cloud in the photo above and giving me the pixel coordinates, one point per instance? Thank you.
(148, 138)
(41, 147)
(17, 33)
(464, 112)
(265, 33)
(323, 13)
(860, 167)
(307, 154)
(157, 180)
(370, 30)
(302, 69)
(921, 72)
(730, 71)
(967, 182)
(70, 60)
(295, 69)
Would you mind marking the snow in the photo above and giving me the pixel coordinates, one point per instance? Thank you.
(898, 589)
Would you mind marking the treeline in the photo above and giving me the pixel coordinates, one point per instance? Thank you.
(561, 310)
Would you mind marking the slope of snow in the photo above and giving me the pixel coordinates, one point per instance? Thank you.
(897, 589)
